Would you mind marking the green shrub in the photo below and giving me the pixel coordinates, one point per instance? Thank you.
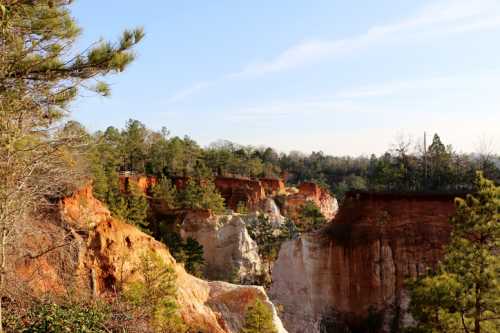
(310, 217)
(155, 295)
(259, 319)
(50, 317)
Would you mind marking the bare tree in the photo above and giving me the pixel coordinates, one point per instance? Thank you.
(39, 76)
(485, 148)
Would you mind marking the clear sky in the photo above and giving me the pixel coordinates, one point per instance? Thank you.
(344, 77)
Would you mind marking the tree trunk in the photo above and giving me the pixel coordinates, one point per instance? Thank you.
(2, 274)
(477, 314)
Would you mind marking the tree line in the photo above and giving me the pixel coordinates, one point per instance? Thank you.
(404, 167)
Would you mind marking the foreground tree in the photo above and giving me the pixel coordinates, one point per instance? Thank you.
(259, 319)
(39, 76)
(464, 294)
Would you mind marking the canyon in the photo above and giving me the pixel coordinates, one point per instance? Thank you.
(345, 277)
(350, 276)
(101, 254)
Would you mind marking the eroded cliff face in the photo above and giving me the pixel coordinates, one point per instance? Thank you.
(228, 249)
(143, 183)
(357, 266)
(310, 192)
(273, 186)
(240, 190)
(103, 254)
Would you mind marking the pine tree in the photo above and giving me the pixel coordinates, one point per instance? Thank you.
(463, 295)
(201, 194)
(267, 238)
(310, 217)
(194, 261)
(259, 319)
(166, 193)
(156, 294)
(137, 211)
(211, 198)
(41, 72)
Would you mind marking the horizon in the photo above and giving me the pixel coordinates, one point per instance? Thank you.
(344, 79)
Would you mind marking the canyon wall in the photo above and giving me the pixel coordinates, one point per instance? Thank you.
(253, 194)
(273, 186)
(354, 270)
(98, 253)
(240, 190)
(143, 183)
(310, 192)
(228, 250)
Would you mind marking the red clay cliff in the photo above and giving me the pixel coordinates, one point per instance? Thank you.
(361, 260)
(309, 191)
(104, 252)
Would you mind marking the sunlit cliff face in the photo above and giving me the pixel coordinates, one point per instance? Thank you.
(358, 264)
(104, 254)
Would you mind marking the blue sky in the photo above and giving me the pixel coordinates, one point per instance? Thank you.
(344, 77)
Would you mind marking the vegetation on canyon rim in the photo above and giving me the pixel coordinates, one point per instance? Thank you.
(43, 158)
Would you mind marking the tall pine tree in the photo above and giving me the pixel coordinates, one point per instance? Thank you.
(40, 74)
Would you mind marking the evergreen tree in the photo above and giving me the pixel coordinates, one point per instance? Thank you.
(191, 196)
(440, 173)
(156, 294)
(194, 261)
(463, 295)
(115, 199)
(201, 194)
(135, 146)
(267, 238)
(137, 208)
(41, 72)
(310, 217)
(166, 193)
(259, 319)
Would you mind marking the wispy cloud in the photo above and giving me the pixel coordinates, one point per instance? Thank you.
(372, 98)
(442, 17)
(193, 89)
(450, 16)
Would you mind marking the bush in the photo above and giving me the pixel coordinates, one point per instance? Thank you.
(155, 296)
(50, 317)
(310, 217)
(259, 319)
(201, 194)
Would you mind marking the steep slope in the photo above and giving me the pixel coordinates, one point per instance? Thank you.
(103, 254)
(354, 271)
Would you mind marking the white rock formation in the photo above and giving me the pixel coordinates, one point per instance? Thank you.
(272, 211)
(229, 251)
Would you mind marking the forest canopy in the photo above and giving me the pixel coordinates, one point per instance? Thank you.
(404, 167)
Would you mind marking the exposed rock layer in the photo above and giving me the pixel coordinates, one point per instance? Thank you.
(104, 253)
(361, 260)
(310, 192)
(228, 250)
(273, 186)
(240, 190)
